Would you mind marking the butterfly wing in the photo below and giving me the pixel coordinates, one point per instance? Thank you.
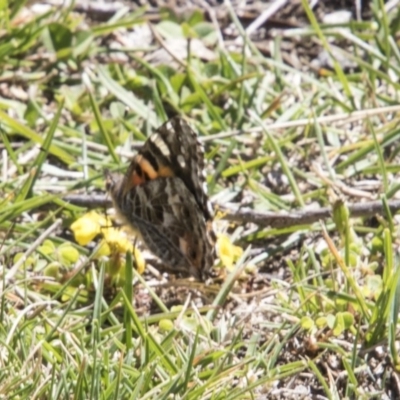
(163, 196)
(173, 150)
(170, 223)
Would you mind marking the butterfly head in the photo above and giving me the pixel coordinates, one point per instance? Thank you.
(113, 181)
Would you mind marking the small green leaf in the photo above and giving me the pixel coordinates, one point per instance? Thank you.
(330, 319)
(61, 39)
(204, 29)
(82, 44)
(348, 319)
(177, 81)
(339, 325)
(373, 284)
(177, 308)
(47, 247)
(28, 262)
(53, 270)
(307, 323)
(117, 110)
(196, 18)
(68, 253)
(31, 114)
(376, 244)
(170, 30)
(188, 31)
(321, 322)
(166, 325)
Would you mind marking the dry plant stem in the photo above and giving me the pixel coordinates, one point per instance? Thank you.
(340, 185)
(390, 5)
(213, 17)
(340, 119)
(22, 314)
(329, 119)
(164, 45)
(265, 15)
(97, 10)
(13, 270)
(272, 219)
(23, 160)
(280, 220)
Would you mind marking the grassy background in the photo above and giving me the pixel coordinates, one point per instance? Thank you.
(315, 312)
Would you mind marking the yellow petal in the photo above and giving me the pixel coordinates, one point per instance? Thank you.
(87, 227)
(119, 243)
(104, 249)
(139, 260)
(228, 252)
(117, 240)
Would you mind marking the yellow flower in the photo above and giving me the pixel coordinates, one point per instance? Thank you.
(103, 250)
(117, 240)
(87, 227)
(115, 243)
(228, 252)
(119, 243)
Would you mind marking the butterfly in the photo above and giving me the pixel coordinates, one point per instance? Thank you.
(163, 197)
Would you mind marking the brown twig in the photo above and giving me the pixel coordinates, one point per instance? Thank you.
(303, 217)
(272, 219)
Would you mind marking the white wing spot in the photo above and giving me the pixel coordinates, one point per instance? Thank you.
(159, 142)
(169, 126)
(154, 137)
(181, 160)
(205, 188)
(164, 149)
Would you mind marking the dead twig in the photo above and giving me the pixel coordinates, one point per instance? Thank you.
(271, 219)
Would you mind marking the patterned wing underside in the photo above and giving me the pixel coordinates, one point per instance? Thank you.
(168, 218)
(174, 145)
(163, 196)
